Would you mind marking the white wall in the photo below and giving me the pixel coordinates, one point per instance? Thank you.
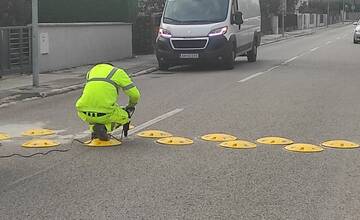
(76, 44)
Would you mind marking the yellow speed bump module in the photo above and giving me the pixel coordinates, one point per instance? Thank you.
(4, 136)
(154, 134)
(275, 141)
(100, 143)
(239, 144)
(38, 132)
(304, 148)
(343, 144)
(40, 143)
(175, 141)
(218, 137)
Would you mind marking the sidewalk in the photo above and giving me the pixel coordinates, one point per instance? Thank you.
(15, 88)
(272, 38)
(268, 39)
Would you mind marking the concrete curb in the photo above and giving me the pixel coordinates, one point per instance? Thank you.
(81, 85)
(61, 91)
(144, 72)
(287, 38)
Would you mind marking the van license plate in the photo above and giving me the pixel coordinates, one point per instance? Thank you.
(189, 56)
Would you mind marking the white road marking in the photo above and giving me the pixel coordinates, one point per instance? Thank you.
(131, 132)
(338, 38)
(252, 76)
(69, 138)
(289, 60)
(314, 49)
(258, 74)
(329, 42)
(272, 68)
(154, 121)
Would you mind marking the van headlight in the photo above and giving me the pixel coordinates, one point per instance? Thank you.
(218, 31)
(164, 33)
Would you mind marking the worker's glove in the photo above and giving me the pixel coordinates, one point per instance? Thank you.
(130, 110)
(126, 127)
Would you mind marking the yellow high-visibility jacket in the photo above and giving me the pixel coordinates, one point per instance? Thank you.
(101, 90)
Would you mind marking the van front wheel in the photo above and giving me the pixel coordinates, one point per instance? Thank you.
(252, 54)
(230, 61)
(164, 66)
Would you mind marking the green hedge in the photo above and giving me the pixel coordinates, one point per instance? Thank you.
(65, 11)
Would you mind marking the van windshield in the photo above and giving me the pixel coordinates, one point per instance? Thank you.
(195, 11)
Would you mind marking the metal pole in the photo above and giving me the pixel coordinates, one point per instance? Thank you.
(35, 43)
(283, 17)
(343, 14)
(328, 14)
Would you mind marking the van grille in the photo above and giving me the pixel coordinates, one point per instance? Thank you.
(189, 44)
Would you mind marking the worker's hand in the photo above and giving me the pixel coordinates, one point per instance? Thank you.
(130, 110)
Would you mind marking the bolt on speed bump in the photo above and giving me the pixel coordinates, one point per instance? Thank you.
(154, 134)
(274, 141)
(40, 143)
(238, 144)
(342, 144)
(218, 137)
(4, 136)
(304, 148)
(175, 141)
(38, 132)
(99, 143)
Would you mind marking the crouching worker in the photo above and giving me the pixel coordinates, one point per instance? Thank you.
(98, 104)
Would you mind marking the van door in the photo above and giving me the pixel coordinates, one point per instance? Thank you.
(252, 20)
(236, 29)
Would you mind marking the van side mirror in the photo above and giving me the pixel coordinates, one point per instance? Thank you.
(238, 18)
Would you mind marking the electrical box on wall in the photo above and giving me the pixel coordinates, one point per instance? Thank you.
(44, 43)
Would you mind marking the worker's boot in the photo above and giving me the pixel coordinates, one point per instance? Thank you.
(100, 132)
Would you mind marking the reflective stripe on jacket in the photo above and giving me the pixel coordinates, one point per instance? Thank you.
(101, 90)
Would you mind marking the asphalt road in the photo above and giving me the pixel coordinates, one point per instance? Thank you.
(306, 89)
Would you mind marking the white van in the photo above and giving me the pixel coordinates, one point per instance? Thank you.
(193, 31)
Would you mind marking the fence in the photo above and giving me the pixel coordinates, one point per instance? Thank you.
(352, 16)
(290, 22)
(15, 50)
(306, 21)
(145, 30)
